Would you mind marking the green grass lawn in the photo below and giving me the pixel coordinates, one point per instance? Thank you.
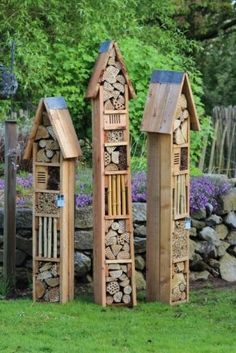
(207, 324)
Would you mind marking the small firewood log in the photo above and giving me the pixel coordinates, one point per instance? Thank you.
(42, 133)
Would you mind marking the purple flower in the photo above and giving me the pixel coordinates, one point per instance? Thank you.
(83, 200)
(139, 186)
(25, 181)
(2, 184)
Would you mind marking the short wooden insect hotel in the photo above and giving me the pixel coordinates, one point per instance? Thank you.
(168, 117)
(54, 146)
(110, 90)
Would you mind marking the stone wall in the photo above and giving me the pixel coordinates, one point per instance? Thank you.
(212, 243)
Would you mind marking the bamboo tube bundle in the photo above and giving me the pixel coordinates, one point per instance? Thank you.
(116, 195)
(40, 239)
(49, 237)
(45, 237)
(55, 237)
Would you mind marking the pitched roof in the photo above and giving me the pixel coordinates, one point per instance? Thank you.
(164, 92)
(100, 66)
(61, 122)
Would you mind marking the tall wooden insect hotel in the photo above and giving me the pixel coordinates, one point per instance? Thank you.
(168, 117)
(54, 146)
(110, 90)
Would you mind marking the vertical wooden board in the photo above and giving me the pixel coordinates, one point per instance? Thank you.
(130, 220)
(166, 216)
(34, 233)
(64, 236)
(71, 226)
(153, 218)
(98, 200)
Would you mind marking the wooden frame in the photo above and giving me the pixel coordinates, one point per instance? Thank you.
(168, 115)
(114, 269)
(54, 147)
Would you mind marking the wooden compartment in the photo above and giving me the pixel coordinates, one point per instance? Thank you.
(168, 116)
(54, 146)
(110, 89)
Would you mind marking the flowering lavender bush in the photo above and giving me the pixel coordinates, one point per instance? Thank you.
(205, 190)
(139, 185)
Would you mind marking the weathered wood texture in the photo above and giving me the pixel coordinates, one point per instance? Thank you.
(9, 243)
(219, 151)
(114, 272)
(53, 202)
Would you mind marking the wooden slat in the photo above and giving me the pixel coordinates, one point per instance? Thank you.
(71, 228)
(64, 227)
(65, 133)
(98, 200)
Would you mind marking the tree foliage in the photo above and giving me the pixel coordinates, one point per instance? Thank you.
(57, 44)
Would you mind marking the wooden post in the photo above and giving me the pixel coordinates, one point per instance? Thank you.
(113, 251)
(167, 117)
(9, 247)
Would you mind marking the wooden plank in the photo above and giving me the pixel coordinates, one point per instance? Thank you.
(65, 132)
(98, 200)
(64, 238)
(166, 216)
(153, 218)
(34, 231)
(194, 121)
(71, 226)
(9, 243)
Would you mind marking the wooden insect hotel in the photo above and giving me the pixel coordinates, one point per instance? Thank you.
(168, 117)
(54, 147)
(110, 90)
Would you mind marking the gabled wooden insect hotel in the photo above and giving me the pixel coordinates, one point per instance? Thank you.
(110, 91)
(54, 147)
(168, 117)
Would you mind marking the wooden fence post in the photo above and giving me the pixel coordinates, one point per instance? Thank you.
(9, 247)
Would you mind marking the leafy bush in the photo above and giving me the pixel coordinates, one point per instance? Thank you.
(205, 190)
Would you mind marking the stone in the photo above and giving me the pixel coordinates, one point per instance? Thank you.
(84, 240)
(209, 209)
(193, 245)
(20, 257)
(213, 220)
(197, 263)
(231, 238)
(140, 230)
(139, 211)
(84, 217)
(221, 250)
(139, 245)
(139, 263)
(228, 268)
(214, 263)
(193, 232)
(199, 276)
(23, 277)
(199, 214)
(210, 235)
(1, 240)
(1, 256)
(23, 218)
(1, 218)
(229, 201)
(230, 220)
(53, 282)
(207, 250)
(140, 281)
(198, 224)
(82, 264)
(221, 231)
(232, 250)
(24, 244)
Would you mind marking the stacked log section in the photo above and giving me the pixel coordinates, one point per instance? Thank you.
(113, 82)
(179, 282)
(180, 134)
(117, 241)
(47, 282)
(48, 147)
(118, 284)
(115, 158)
(180, 241)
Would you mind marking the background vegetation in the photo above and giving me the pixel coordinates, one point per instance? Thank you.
(57, 44)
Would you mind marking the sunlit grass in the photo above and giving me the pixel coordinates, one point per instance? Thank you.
(206, 324)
